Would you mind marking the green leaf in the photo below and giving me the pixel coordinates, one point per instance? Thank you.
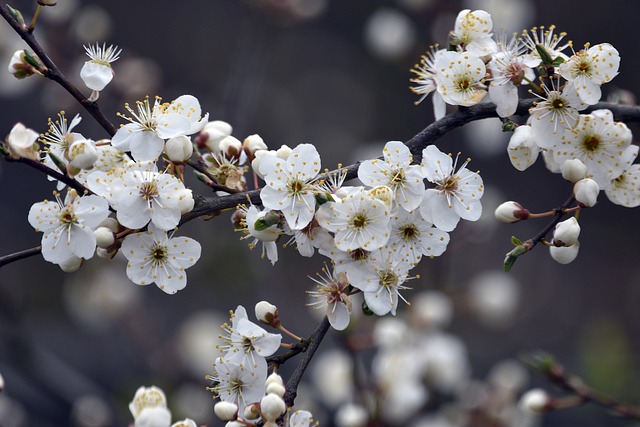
(59, 163)
(17, 15)
(516, 241)
(512, 256)
(544, 55)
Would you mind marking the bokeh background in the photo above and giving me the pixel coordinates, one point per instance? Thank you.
(75, 347)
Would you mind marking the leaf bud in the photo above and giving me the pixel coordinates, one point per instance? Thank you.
(19, 67)
(179, 149)
(511, 212)
(267, 313)
(586, 192)
(226, 411)
(573, 170)
(566, 232)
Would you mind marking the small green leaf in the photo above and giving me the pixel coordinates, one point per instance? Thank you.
(31, 59)
(544, 55)
(559, 60)
(59, 163)
(512, 256)
(366, 310)
(323, 198)
(516, 241)
(17, 15)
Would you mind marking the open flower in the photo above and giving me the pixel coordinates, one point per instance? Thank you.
(289, 188)
(456, 195)
(426, 80)
(332, 294)
(154, 257)
(460, 78)
(97, 72)
(68, 226)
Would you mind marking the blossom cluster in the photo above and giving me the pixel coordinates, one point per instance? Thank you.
(373, 234)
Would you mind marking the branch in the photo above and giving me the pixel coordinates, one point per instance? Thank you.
(546, 365)
(52, 173)
(314, 342)
(53, 73)
(17, 256)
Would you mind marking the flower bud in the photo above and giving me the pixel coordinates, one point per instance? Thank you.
(187, 422)
(511, 212)
(535, 401)
(106, 253)
(22, 142)
(573, 170)
(230, 147)
(104, 237)
(226, 411)
(276, 389)
(586, 192)
(523, 150)
(253, 143)
(212, 133)
(272, 407)
(110, 223)
(19, 67)
(252, 412)
(258, 156)
(564, 254)
(566, 232)
(283, 152)
(71, 264)
(178, 149)
(274, 378)
(82, 154)
(186, 202)
(267, 313)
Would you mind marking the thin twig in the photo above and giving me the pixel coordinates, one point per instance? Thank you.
(17, 256)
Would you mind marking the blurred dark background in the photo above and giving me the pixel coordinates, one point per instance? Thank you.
(331, 73)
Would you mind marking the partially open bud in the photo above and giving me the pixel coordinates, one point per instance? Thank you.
(586, 192)
(104, 237)
(226, 411)
(211, 135)
(566, 232)
(253, 143)
(186, 202)
(564, 254)
(535, 401)
(267, 313)
(22, 142)
(82, 154)
(230, 147)
(179, 149)
(511, 212)
(272, 407)
(523, 150)
(384, 194)
(19, 66)
(283, 152)
(573, 170)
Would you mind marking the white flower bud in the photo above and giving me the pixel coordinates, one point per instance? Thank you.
(179, 149)
(230, 147)
(511, 212)
(213, 132)
(586, 192)
(71, 264)
(276, 389)
(186, 202)
(283, 152)
(255, 163)
(106, 253)
(22, 142)
(535, 401)
(253, 143)
(252, 412)
(96, 76)
(274, 378)
(564, 254)
(522, 148)
(272, 407)
(157, 416)
(351, 415)
(187, 422)
(19, 67)
(226, 411)
(110, 223)
(83, 154)
(566, 232)
(573, 170)
(266, 312)
(104, 237)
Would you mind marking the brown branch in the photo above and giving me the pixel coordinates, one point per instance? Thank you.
(17, 256)
(53, 73)
(52, 173)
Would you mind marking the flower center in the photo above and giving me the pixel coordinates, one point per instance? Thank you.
(360, 221)
(359, 254)
(558, 104)
(158, 254)
(388, 279)
(464, 85)
(591, 143)
(148, 191)
(67, 217)
(247, 345)
(398, 178)
(409, 232)
(295, 187)
(449, 184)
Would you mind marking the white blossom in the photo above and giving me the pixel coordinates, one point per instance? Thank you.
(97, 72)
(460, 78)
